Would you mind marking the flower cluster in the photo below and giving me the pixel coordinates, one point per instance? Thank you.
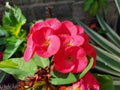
(69, 46)
(88, 82)
(67, 42)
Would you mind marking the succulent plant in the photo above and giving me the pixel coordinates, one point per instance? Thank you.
(108, 49)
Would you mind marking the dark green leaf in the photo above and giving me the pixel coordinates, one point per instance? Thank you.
(117, 2)
(11, 47)
(102, 67)
(87, 4)
(2, 33)
(110, 32)
(103, 3)
(104, 43)
(2, 41)
(105, 81)
(94, 8)
(2, 76)
(110, 60)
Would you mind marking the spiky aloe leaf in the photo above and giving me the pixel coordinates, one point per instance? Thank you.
(108, 59)
(104, 43)
(110, 32)
(108, 55)
(105, 69)
(117, 2)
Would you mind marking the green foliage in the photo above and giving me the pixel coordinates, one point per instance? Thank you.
(117, 2)
(41, 62)
(12, 47)
(62, 79)
(92, 6)
(108, 51)
(18, 68)
(105, 81)
(108, 59)
(12, 38)
(13, 20)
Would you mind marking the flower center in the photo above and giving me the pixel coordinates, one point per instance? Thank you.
(69, 58)
(69, 44)
(78, 88)
(46, 43)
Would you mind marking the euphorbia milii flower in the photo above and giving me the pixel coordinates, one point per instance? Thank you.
(67, 28)
(51, 23)
(47, 44)
(30, 50)
(91, 82)
(90, 52)
(1, 55)
(72, 59)
(88, 82)
(68, 41)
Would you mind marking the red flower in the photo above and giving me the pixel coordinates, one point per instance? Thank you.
(42, 39)
(67, 28)
(1, 55)
(93, 26)
(47, 43)
(68, 41)
(72, 59)
(88, 82)
(30, 50)
(91, 82)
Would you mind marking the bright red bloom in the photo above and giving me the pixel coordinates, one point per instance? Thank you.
(80, 30)
(93, 26)
(67, 28)
(90, 52)
(1, 55)
(79, 85)
(68, 41)
(88, 82)
(42, 39)
(72, 59)
(30, 50)
(54, 23)
(91, 82)
(45, 41)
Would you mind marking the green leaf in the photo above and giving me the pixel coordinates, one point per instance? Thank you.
(108, 59)
(117, 2)
(19, 68)
(62, 79)
(2, 33)
(11, 47)
(8, 64)
(87, 4)
(110, 32)
(39, 61)
(104, 43)
(94, 8)
(102, 67)
(2, 76)
(2, 41)
(105, 81)
(103, 3)
(13, 20)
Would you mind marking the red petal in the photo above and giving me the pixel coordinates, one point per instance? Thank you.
(91, 81)
(53, 23)
(70, 26)
(29, 51)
